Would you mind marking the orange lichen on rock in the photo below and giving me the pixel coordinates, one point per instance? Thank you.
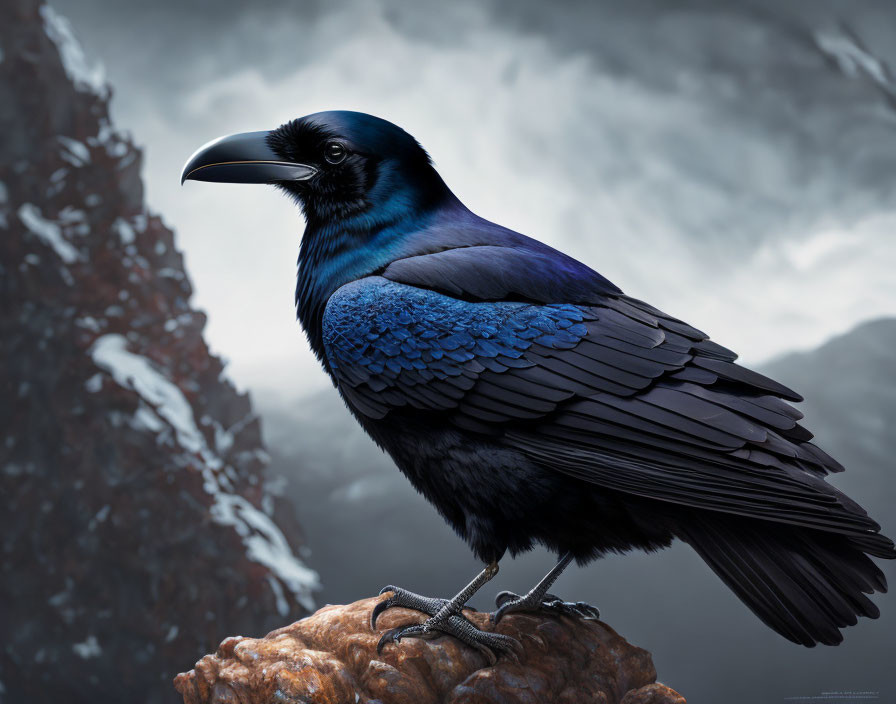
(330, 658)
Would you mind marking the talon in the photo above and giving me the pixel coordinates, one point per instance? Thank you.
(388, 637)
(488, 652)
(508, 602)
(446, 617)
(491, 645)
(377, 610)
(515, 650)
(588, 612)
(505, 596)
(406, 599)
(394, 635)
(498, 614)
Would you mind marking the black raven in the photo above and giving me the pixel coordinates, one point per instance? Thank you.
(532, 402)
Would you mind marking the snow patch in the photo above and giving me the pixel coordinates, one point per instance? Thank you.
(264, 541)
(279, 597)
(124, 230)
(82, 74)
(145, 419)
(58, 600)
(110, 139)
(73, 221)
(135, 372)
(100, 517)
(223, 439)
(74, 152)
(48, 231)
(90, 648)
(88, 322)
(94, 383)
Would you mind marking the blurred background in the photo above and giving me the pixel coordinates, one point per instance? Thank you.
(730, 162)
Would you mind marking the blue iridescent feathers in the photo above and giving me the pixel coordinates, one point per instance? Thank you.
(397, 340)
(531, 401)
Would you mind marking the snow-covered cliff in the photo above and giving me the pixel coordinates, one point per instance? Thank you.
(140, 526)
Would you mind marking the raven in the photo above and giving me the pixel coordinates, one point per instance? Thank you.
(532, 402)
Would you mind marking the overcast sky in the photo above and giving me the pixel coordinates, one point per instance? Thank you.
(731, 163)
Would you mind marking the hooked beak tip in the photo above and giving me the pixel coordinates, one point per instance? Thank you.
(243, 158)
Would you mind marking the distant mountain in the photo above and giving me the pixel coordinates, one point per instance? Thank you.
(367, 528)
(850, 389)
(140, 524)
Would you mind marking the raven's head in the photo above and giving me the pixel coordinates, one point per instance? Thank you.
(337, 164)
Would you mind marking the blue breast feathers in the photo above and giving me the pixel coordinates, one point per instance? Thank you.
(400, 342)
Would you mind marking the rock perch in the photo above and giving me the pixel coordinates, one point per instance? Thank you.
(330, 658)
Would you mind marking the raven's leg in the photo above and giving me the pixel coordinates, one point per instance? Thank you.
(538, 598)
(445, 617)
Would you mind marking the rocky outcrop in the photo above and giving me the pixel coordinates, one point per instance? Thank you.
(139, 524)
(331, 658)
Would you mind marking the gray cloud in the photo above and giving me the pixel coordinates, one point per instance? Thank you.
(707, 157)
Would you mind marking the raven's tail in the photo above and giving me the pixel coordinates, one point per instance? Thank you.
(805, 584)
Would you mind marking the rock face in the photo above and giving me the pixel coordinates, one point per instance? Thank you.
(139, 526)
(330, 658)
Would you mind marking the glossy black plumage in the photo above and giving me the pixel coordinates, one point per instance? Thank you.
(531, 401)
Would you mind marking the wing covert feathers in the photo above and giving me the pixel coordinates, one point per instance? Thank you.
(614, 393)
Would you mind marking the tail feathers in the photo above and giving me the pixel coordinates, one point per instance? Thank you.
(875, 544)
(804, 584)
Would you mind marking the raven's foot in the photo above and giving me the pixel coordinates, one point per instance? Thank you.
(508, 602)
(446, 617)
(491, 645)
(409, 600)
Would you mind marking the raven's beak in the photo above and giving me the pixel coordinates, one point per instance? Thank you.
(243, 158)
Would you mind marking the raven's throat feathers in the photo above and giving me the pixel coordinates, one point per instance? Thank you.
(336, 252)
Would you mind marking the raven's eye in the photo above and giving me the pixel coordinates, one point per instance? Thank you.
(334, 152)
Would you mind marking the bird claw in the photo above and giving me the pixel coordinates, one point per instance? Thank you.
(394, 635)
(491, 645)
(409, 600)
(582, 609)
(508, 602)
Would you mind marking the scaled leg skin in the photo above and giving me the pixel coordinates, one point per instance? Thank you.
(538, 598)
(446, 617)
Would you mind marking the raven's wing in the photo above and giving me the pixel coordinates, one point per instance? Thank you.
(611, 391)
